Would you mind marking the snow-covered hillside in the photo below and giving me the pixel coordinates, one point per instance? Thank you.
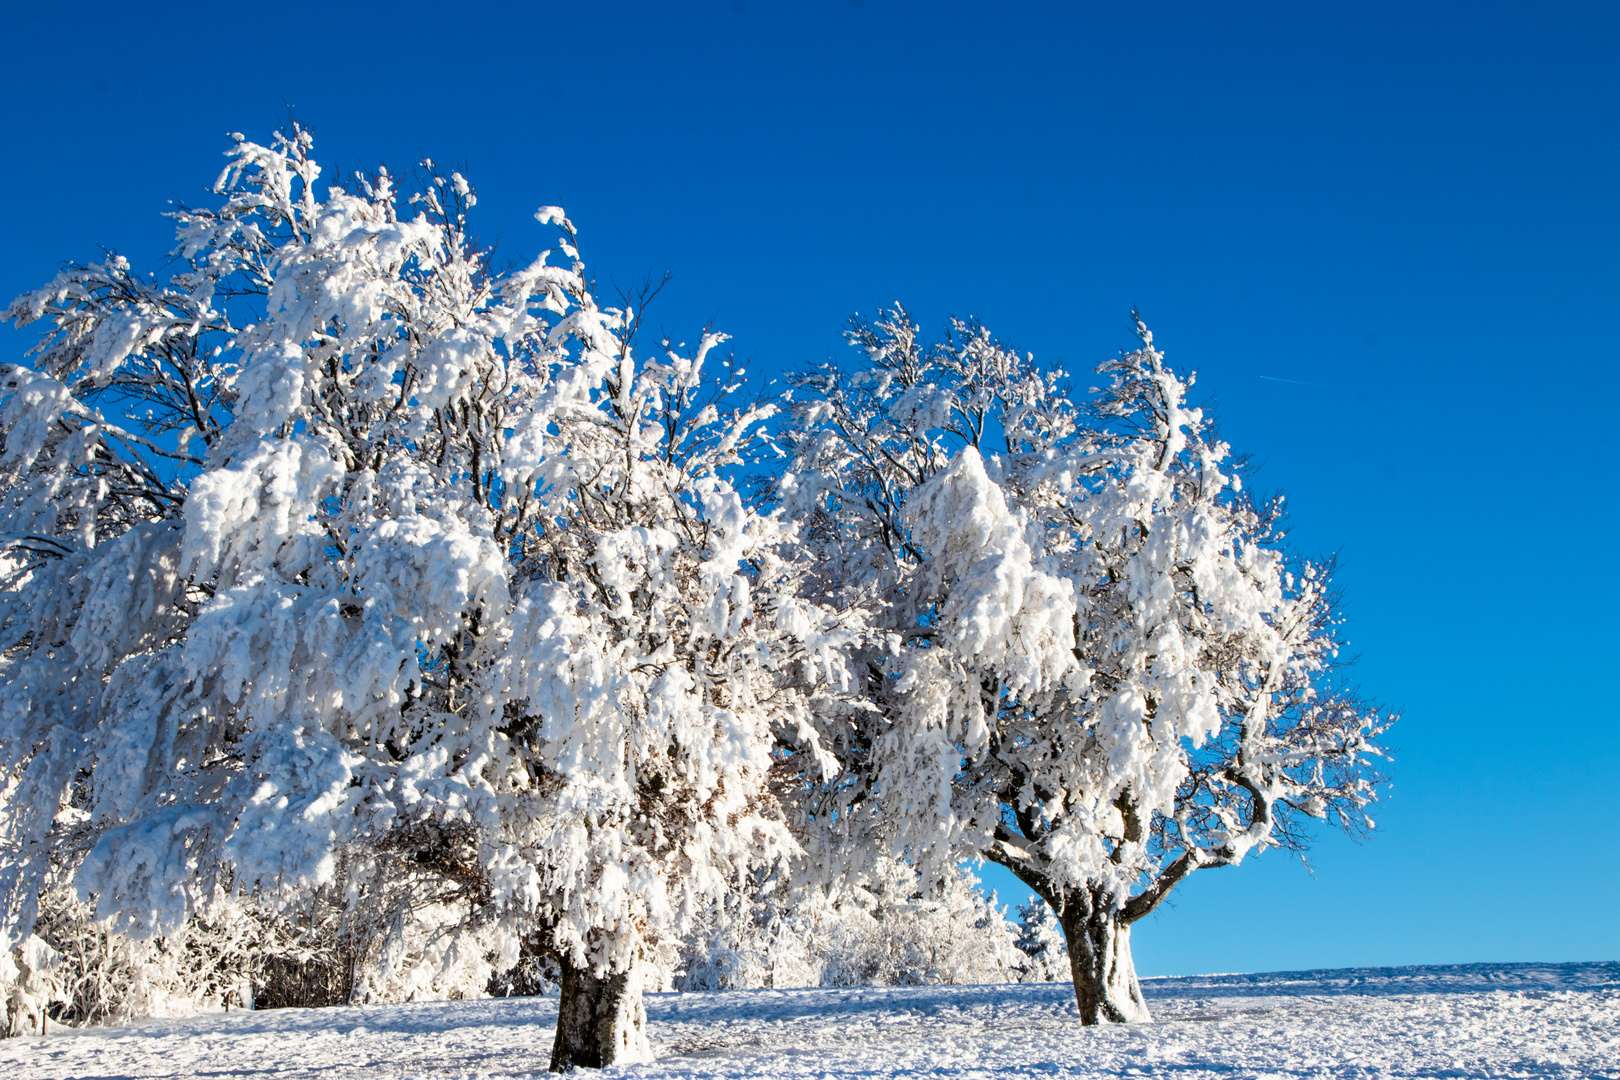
(1480, 1020)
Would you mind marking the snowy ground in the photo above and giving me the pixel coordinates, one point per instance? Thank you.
(1481, 1020)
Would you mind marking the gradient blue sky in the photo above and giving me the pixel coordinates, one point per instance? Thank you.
(1384, 236)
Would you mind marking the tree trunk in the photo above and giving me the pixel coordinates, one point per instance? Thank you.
(601, 1020)
(1105, 985)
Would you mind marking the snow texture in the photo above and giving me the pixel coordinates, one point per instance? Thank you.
(1476, 1020)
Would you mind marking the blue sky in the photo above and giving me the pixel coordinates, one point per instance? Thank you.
(1385, 237)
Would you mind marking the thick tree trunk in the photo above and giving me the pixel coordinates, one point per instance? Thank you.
(1105, 985)
(601, 1021)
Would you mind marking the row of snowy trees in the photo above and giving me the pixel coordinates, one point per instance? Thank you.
(893, 932)
(357, 583)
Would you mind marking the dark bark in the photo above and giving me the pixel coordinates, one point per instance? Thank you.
(1099, 940)
(601, 1020)
(1096, 930)
(1142, 904)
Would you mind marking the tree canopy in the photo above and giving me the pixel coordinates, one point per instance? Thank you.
(344, 569)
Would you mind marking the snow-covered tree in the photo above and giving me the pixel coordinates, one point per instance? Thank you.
(762, 937)
(883, 928)
(666, 651)
(1103, 670)
(903, 930)
(1040, 939)
(341, 563)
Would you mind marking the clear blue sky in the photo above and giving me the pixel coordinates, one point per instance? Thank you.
(1385, 236)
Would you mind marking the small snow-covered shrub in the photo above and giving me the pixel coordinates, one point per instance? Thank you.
(909, 938)
(100, 976)
(30, 979)
(885, 932)
(756, 941)
(1040, 939)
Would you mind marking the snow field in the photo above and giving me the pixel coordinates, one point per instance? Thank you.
(1469, 1021)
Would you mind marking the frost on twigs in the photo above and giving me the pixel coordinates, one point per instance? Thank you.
(1102, 669)
(341, 569)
